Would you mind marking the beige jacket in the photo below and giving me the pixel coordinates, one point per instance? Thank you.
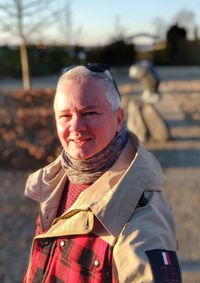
(112, 201)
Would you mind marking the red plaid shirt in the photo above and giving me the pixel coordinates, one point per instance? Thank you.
(74, 259)
(81, 258)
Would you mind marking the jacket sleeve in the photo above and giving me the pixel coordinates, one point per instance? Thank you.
(151, 228)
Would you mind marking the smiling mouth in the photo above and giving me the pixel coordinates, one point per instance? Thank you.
(80, 141)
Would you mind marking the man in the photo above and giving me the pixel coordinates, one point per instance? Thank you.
(102, 214)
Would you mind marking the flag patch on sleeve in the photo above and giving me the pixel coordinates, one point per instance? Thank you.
(165, 266)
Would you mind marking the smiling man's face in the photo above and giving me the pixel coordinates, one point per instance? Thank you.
(85, 120)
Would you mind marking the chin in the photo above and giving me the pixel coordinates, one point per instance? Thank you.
(80, 155)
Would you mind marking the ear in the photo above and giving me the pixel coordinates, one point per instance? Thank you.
(120, 118)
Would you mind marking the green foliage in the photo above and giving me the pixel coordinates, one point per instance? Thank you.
(58, 58)
(188, 53)
(117, 53)
(48, 60)
(43, 60)
(10, 61)
(179, 50)
(160, 57)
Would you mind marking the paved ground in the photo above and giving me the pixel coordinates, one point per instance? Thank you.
(180, 159)
(121, 75)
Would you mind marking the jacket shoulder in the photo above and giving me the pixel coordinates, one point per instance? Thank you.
(151, 227)
(43, 175)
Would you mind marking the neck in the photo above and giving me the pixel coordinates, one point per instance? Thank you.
(89, 170)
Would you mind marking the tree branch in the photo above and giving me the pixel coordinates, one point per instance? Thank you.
(35, 3)
(7, 10)
(6, 26)
(47, 20)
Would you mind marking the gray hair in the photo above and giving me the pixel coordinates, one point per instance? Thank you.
(111, 93)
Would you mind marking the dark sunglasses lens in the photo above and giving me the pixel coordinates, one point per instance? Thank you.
(97, 68)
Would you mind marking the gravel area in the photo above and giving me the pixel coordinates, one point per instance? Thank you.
(17, 226)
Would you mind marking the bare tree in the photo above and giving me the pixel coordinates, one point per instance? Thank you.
(160, 28)
(119, 31)
(23, 19)
(69, 33)
(186, 18)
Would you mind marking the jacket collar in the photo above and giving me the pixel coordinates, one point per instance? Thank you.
(112, 198)
(118, 203)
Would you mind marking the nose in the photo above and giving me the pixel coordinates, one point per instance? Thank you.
(77, 123)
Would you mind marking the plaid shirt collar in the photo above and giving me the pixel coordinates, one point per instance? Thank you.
(112, 198)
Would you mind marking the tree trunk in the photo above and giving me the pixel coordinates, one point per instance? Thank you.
(25, 66)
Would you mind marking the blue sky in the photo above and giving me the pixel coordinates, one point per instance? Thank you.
(96, 20)
(97, 17)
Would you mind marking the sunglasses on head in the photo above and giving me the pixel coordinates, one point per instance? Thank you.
(95, 68)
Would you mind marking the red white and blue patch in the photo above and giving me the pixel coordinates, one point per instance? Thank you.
(165, 266)
(166, 258)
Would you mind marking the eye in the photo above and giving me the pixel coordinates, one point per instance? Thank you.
(90, 113)
(64, 116)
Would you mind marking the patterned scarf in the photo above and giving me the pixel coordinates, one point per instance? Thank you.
(89, 170)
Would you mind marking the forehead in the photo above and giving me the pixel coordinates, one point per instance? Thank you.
(81, 90)
(74, 83)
